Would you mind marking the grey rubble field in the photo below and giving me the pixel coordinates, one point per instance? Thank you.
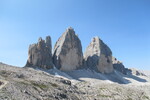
(31, 84)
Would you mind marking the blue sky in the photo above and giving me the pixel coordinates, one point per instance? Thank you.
(124, 25)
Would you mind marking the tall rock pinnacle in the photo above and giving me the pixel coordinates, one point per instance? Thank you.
(68, 51)
(40, 54)
(98, 56)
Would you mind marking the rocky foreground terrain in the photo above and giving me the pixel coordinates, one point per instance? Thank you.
(34, 84)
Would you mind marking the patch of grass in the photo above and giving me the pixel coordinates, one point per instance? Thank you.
(129, 99)
(38, 85)
(23, 82)
(146, 97)
(41, 86)
(102, 88)
(118, 89)
(104, 96)
(54, 84)
(4, 73)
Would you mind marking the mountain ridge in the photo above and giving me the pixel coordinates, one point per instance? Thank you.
(70, 74)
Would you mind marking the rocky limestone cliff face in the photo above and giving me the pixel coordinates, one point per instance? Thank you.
(40, 54)
(119, 66)
(98, 56)
(68, 51)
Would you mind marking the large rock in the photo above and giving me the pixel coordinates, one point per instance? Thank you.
(40, 54)
(134, 71)
(98, 56)
(68, 51)
(119, 66)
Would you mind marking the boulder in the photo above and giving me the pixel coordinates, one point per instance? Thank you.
(40, 54)
(98, 56)
(68, 54)
(134, 71)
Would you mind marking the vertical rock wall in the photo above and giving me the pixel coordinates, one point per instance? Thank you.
(40, 54)
(68, 51)
(98, 56)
